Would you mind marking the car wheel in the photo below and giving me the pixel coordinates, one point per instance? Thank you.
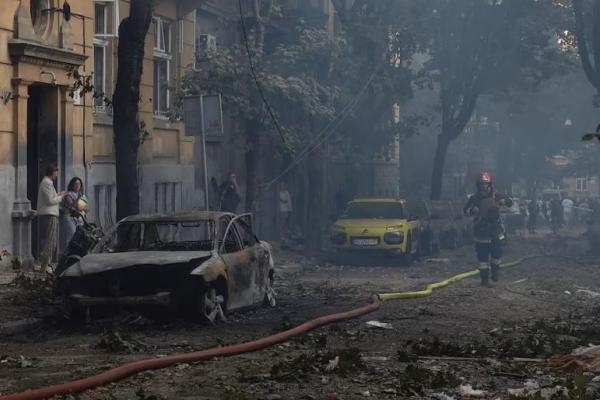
(72, 312)
(407, 257)
(211, 304)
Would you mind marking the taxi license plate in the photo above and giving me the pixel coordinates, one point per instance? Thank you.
(365, 242)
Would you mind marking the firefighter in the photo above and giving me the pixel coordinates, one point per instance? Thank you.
(488, 230)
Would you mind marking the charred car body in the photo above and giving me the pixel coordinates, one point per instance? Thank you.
(202, 263)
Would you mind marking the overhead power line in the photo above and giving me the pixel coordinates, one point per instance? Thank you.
(255, 76)
(326, 132)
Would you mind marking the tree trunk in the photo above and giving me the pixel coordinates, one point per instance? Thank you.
(132, 37)
(590, 68)
(254, 128)
(438, 167)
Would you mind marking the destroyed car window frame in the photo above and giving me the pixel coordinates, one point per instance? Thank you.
(236, 233)
(104, 245)
(175, 232)
(246, 228)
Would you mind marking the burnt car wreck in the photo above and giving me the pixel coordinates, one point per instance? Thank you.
(200, 264)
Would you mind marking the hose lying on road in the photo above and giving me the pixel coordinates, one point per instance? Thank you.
(129, 369)
(157, 363)
(437, 285)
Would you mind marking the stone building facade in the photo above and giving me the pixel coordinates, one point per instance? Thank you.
(41, 123)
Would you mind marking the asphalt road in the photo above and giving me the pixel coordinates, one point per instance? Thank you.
(461, 335)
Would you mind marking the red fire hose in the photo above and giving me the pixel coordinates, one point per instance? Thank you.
(126, 370)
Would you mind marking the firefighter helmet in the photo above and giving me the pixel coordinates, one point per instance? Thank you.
(484, 177)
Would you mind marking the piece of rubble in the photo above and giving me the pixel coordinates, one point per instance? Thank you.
(534, 391)
(590, 293)
(582, 359)
(20, 325)
(442, 396)
(333, 364)
(380, 325)
(529, 387)
(468, 391)
(438, 260)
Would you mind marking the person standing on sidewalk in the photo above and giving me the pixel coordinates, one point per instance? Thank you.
(533, 215)
(488, 231)
(47, 214)
(230, 197)
(285, 210)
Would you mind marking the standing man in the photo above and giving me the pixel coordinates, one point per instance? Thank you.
(556, 214)
(230, 197)
(487, 226)
(533, 215)
(567, 205)
(47, 213)
(285, 208)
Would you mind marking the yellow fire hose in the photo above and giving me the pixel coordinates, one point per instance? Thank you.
(440, 284)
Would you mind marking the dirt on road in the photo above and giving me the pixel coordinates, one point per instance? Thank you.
(464, 341)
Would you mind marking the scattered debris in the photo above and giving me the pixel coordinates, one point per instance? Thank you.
(535, 392)
(590, 293)
(529, 387)
(114, 342)
(438, 260)
(468, 391)
(332, 364)
(15, 362)
(582, 359)
(441, 396)
(380, 325)
(36, 288)
(341, 362)
(20, 325)
(376, 358)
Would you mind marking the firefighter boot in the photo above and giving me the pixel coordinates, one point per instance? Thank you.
(484, 273)
(495, 272)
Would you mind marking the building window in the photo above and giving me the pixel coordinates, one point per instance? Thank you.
(162, 65)
(167, 197)
(581, 184)
(99, 75)
(106, 18)
(41, 16)
(104, 205)
(100, 20)
(106, 21)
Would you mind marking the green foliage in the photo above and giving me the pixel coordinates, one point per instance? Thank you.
(310, 78)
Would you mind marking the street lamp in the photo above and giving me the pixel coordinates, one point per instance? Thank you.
(194, 126)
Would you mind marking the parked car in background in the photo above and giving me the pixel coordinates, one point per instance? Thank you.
(200, 263)
(377, 226)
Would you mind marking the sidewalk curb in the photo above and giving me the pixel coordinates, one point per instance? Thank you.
(19, 325)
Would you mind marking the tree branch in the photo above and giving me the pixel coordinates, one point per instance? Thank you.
(582, 45)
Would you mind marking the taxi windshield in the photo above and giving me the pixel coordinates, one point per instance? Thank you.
(373, 210)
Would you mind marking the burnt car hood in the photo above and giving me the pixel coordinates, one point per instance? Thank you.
(102, 262)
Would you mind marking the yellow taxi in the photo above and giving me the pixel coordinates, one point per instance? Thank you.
(378, 225)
